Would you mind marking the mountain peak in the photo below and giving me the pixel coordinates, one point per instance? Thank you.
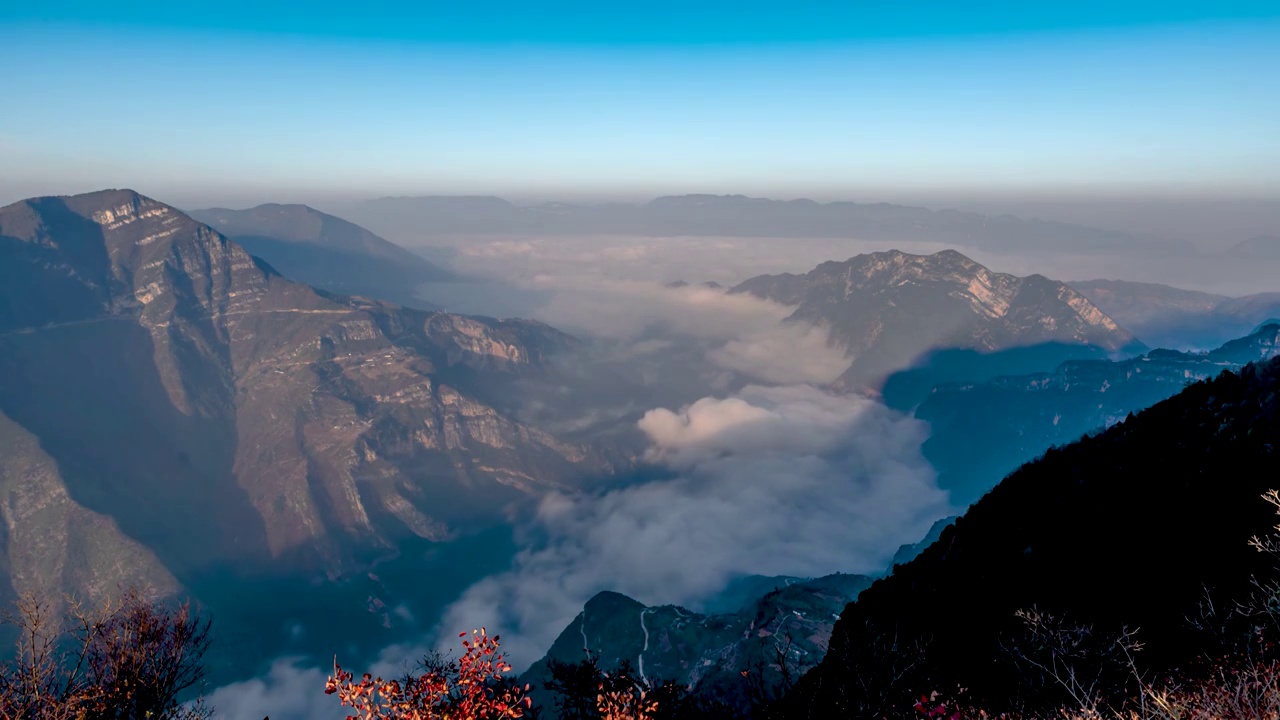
(121, 253)
(708, 652)
(220, 412)
(942, 258)
(1263, 247)
(948, 255)
(284, 208)
(297, 223)
(888, 309)
(705, 199)
(109, 195)
(85, 204)
(608, 601)
(326, 251)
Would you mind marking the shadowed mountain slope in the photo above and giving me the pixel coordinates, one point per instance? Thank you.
(706, 652)
(215, 413)
(326, 252)
(982, 431)
(1126, 528)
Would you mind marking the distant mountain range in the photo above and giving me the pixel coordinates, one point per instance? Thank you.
(179, 414)
(326, 252)
(890, 309)
(1169, 317)
(1262, 247)
(1146, 525)
(980, 432)
(409, 219)
(187, 412)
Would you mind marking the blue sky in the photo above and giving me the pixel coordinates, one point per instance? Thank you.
(573, 99)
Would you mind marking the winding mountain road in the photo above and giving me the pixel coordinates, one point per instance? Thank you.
(640, 664)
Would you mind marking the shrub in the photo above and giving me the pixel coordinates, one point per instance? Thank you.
(133, 658)
(1092, 667)
(473, 688)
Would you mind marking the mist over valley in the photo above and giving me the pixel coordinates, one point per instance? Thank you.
(639, 362)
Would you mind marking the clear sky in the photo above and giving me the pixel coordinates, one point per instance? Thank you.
(619, 98)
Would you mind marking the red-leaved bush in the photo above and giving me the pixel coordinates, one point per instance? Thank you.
(931, 706)
(474, 690)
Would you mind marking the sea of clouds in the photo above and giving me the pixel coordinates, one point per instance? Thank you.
(764, 469)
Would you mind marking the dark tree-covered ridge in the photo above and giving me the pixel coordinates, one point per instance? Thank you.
(1134, 527)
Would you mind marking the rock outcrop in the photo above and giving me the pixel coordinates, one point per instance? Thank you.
(889, 309)
(168, 395)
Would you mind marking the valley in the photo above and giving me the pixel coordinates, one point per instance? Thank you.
(639, 361)
(244, 439)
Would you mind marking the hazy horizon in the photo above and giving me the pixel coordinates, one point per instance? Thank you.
(244, 102)
(353, 438)
(1212, 224)
(1147, 118)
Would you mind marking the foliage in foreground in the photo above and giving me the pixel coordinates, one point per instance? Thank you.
(1092, 669)
(1234, 690)
(476, 687)
(1145, 524)
(132, 658)
(586, 691)
(471, 688)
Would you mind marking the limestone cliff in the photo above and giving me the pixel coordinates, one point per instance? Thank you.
(889, 309)
(198, 405)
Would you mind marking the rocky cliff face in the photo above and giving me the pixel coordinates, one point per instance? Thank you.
(52, 543)
(1262, 247)
(707, 653)
(172, 397)
(889, 309)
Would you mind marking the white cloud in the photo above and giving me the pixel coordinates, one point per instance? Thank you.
(746, 334)
(782, 480)
(289, 691)
(614, 289)
(294, 690)
(775, 480)
(795, 352)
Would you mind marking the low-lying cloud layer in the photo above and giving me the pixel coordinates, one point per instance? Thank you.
(774, 480)
(730, 260)
(764, 471)
(743, 333)
(290, 689)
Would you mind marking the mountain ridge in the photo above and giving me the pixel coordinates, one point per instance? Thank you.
(889, 309)
(1131, 527)
(326, 252)
(1261, 247)
(1166, 316)
(981, 431)
(297, 424)
(706, 652)
(739, 215)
